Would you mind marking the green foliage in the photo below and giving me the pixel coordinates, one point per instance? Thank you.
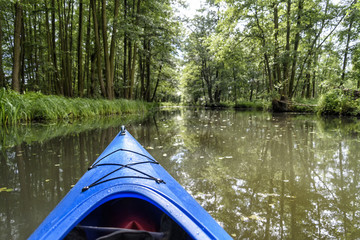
(336, 102)
(32, 106)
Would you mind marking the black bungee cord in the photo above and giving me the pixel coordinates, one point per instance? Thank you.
(121, 166)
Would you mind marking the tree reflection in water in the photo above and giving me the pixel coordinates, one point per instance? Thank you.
(262, 176)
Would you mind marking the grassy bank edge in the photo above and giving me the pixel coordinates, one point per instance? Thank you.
(35, 106)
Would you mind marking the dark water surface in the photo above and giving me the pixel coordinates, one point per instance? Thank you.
(261, 176)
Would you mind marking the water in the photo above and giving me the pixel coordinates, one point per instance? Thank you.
(261, 176)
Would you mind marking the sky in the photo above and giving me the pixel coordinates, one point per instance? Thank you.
(193, 5)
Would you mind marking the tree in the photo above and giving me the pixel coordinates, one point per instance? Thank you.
(2, 74)
(97, 47)
(80, 52)
(17, 47)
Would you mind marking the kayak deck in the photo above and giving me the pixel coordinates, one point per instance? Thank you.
(127, 192)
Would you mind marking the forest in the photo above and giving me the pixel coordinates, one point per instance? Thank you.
(229, 51)
(109, 49)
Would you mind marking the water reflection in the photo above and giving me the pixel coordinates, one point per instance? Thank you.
(262, 176)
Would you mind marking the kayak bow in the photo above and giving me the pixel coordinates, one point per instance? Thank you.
(124, 194)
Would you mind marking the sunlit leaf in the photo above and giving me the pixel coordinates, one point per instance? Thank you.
(268, 195)
(244, 219)
(256, 218)
(5, 189)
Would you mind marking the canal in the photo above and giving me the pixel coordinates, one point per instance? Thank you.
(260, 175)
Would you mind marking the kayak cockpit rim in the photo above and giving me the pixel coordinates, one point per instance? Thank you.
(169, 208)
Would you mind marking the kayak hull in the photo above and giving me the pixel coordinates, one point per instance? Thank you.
(136, 176)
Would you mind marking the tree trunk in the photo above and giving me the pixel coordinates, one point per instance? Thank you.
(59, 89)
(17, 47)
(2, 75)
(63, 49)
(142, 75)
(132, 72)
(22, 57)
(267, 66)
(88, 79)
(286, 63)
(129, 57)
(92, 84)
(346, 50)
(207, 78)
(277, 77)
(296, 46)
(97, 48)
(79, 52)
(69, 56)
(148, 70)
(157, 84)
(65, 40)
(49, 78)
(235, 87)
(36, 51)
(125, 83)
(266, 57)
(112, 46)
(106, 52)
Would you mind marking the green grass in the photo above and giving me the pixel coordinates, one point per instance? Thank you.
(32, 106)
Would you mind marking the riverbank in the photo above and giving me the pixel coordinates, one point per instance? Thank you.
(335, 102)
(34, 106)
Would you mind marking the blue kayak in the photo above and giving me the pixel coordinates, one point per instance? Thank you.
(126, 194)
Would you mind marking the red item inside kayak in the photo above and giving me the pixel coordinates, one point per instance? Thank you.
(129, 213)
(132, 215)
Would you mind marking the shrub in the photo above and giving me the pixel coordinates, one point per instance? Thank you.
(335, 102)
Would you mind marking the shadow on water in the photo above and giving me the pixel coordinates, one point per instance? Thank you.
(262, 176)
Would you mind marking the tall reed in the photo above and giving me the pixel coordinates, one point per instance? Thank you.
(34, 106)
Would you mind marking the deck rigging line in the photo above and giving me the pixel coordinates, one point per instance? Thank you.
(122, 166)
